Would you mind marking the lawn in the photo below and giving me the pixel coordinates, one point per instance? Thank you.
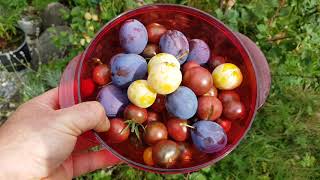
(283, 142)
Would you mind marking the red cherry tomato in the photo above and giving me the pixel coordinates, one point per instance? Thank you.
(228, 95)
(154, 132)
(165, 153)
(215, 61)
(209, 108)
(117, 132)
(147, 156)
(159, 104)
(152, 116)
(155, 31)
(225, 124)
(135, 113)
(233, 110)
(198, 79)
(212, 92)
(177, 129)
(189, 65)
(87, 87)
(101, 74)
(186, 152)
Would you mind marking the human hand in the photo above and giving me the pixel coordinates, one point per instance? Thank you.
(38, 140)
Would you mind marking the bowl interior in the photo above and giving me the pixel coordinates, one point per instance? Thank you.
(194, 24)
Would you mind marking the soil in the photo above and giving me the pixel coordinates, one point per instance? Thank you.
(12, 44)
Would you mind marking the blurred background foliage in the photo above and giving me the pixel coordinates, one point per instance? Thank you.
(284, 140)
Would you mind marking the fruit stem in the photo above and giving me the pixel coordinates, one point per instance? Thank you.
(183, 55)
(187, 125)
(97, 60)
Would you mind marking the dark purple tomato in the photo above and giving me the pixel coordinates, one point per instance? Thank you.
(225, 124)
(198, 79)
(189, 65)
(159, 104)
(212, 92)
(117, 132)
(177, 129)
(215, 61)
(154, 132)
(152, 116)
(101, 74)
(155, 31)
(233, 110)
(209, 108)
(228, 95)
(136, 142)
(165, 153)
(87, 87)
(135, 113)
(186, 152)
(150, 50)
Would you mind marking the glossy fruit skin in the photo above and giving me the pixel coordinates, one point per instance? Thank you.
(186, 152)
(101, 74)
(163, 58)
(135, 113)
(199, 51)
(215, 61)
(208, 136)
(128, 68)
(175, 42)
(227, 76)
(233, 110)
(225, 124)
(113, 99)
(133, 36)
(212, 92)
(177, 129)
(155, 31)
(150, 50)
(141, 94)
(147, 156)
(182, 103)
(117, 132)
(155, 131)
(188, 65)
(209, 108)
(165, 153)
(152, 116)
(159, 104)
(226, 96)
(115, 57)
(87, 87)
(198, 79)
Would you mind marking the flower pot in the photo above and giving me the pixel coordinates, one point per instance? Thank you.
(194, 23)
(16, 59)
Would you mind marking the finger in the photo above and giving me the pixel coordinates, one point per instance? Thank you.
(84, 117)
(48, 99)
(92, 161)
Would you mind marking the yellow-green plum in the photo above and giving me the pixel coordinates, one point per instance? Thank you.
(140, 94)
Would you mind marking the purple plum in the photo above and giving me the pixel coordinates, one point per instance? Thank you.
(133, 36)
(199, 51)
(113, 100)
(182, 103)
(208, 136)
(115, 57)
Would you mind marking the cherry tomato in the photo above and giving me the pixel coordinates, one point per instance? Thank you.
(152, 116)
(117, 132)
(101, 74)
(136, 142)
(147, 156)
(155, 31)
(177, 129)
(215, 61)
(198, 79)
(225, 124)
(226, 96)
(165, 153)
(189, 65)
(135, 113)
(154, 132)
(212, 92)
(233, 110)
(186, 152)
(160, 104)
(87, 87)
(209, 108)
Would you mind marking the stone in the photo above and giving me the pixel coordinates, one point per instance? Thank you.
(52, 15)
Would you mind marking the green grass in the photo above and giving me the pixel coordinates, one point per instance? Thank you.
(283, 142)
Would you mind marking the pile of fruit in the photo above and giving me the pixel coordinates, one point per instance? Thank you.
(163, 89)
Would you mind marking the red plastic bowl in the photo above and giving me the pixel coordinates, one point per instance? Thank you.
(194, 23)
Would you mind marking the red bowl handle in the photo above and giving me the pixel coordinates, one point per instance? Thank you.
(261, 67)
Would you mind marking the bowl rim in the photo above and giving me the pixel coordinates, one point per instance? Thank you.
(196, 167)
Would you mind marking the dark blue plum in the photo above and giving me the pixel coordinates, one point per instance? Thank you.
(182, 103)
(115, 57)
(199, 51)
(175, 43)
(208, 136)
(113, 99)
(133, 36)
(127, 68)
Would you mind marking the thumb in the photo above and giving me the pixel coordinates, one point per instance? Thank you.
(84, 117)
